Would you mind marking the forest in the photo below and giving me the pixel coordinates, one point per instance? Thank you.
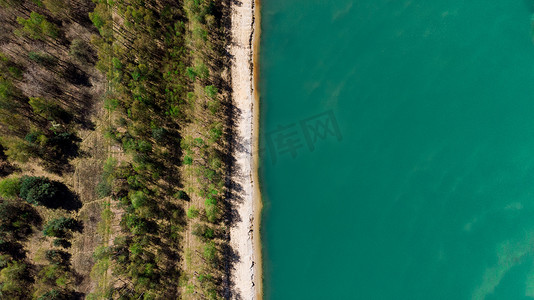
(115, 133)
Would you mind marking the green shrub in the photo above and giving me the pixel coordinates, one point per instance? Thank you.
(56, 7)
(10, 188)
(37, 27)
(58, 257)
(188, 160)
(60, 227)
(16, 220)
(212, 213)
(159, 134)
(103, 188)
(38, 190)
(80, 50)
(64, 243)
(192, 212)
(216, 132)
(203, 231)
(42, 59)
(14, 281)
(210, 252)
(211, 91)
(138, 199)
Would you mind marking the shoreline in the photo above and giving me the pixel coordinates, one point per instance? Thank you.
(257, 245)
(246, 275)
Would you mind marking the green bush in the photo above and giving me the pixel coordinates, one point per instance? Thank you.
(80, 50)
(192, 212)
(56, 7)
(14, 281)
(10, 188)
(210, 252)
(51, 295)
(64, 243)
(103, 188)
(215, 132)
(212, 213)
(37, 27)
(211, 91)
(38, 190)
(16, 220)
(138, 199)
(159, 134)
(48, 109)
(58, 257)
(188, 160)
(42, 59)
(60, 227)
(203, 231)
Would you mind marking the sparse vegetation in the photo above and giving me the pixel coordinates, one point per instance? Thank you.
(48, 92)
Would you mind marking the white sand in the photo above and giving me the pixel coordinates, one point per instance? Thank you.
(244, 235)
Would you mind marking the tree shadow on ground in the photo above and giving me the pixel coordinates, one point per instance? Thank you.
(65, 199)
(61, 148)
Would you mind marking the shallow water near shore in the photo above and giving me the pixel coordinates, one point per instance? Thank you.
(425, 188)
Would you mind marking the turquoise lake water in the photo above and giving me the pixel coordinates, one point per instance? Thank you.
(425, 190)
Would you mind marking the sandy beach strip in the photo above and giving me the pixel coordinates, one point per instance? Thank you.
(244, 234)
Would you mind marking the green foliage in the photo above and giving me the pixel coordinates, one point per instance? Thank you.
(211, 91)
(102, 252)
(97, 20)
(15, 281)
(80, 50)
(210, 201)
(192, 212)
(10, 187)
(188, 160)
(210, 252)
(159, 134)
(38, 190)
(212, 211)
(138, 199)
(202, 71)
(9, 3)
(15, 72)
(16, 220)
(161, 85)
(54, 294)
(213, 106)
(117, 64)
(103, 188)
(54, 274)
(203, 231)
(144, 146)
(199, 142)
(48, 109)
(18, 151)
(64, 243)
(191, 73)
(216, 131)
(60, 227)
(58, 257)
(37, 27)
(111, 104)
(42, 59)
(56, 7)
(181, 195)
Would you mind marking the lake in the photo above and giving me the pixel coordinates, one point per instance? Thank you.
(398, 149)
